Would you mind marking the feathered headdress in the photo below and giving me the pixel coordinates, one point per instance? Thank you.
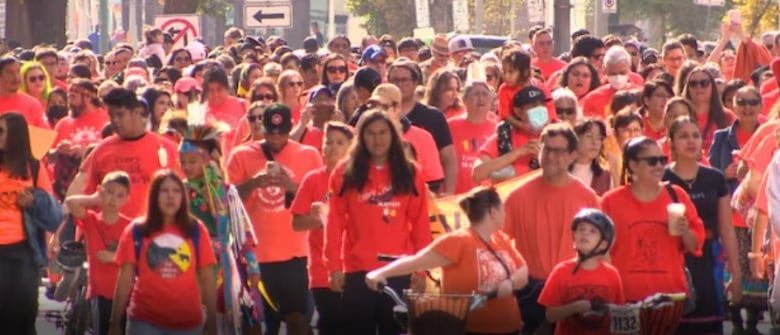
(201, 132)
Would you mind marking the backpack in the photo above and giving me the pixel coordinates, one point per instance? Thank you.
(138, 243)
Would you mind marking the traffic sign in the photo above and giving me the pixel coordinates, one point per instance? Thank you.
(711, 3)
(460, 15)
(183, 28)
(263, 15)
(422, 13)
(609, 6)
(535, 11)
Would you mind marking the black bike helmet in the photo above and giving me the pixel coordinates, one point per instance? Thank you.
(603, 223)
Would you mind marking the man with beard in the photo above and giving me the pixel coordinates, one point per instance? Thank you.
(11, 100)
(76, 132)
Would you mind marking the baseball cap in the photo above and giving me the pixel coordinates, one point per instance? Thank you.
(386, 94)
(649, 56)
(460, 43)
(371, 53)
(197, 50)
(529, 95)
(368, 78)
(186, 84)
(318, 91)
(277, 119)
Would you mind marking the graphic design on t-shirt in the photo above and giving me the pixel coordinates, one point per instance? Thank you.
(382, 197)
(491, 272)
(272, 198)
(169, 255)
(85, 135)
(645, 237)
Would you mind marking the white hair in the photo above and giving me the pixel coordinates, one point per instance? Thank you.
(563, 94)
(616, 54)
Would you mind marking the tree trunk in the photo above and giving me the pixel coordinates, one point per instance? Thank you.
(33, 22)
(180, 6)
(441, 16)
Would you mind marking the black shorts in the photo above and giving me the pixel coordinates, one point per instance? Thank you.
(287, 284)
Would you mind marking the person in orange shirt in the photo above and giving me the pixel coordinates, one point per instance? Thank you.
(583, 284)
(673, 55)
(479, 258)
(266, 174)
(504, 156)
(554, 196)
(654, 98)
(580, 77)
(221, 105)
(35, 82)
(12, 100)
(310, 213)
(378, 204)
(617, 66)
(542, 42)
(517, 74)
(649, 252)
(472, 130)
(20, 264)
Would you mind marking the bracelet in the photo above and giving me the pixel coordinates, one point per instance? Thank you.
(755, 255)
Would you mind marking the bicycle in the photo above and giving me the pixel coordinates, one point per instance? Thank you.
(659, 314)
(74, 319)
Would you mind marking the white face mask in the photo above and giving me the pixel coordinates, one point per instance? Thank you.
(618, 81)
(538, 117)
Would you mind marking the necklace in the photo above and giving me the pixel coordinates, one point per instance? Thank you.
(689, 181)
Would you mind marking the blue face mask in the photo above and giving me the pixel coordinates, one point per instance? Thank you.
(538, 117)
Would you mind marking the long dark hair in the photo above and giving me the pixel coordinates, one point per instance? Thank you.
(594, 74)
(332, 58)
(16, 158)
(154, 217)
(580, 129)
(716, 115)
(630, 153)
(401, 166)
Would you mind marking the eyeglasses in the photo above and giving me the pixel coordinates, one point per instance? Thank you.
(748, 102)
(254, 118)
(111, 62)
(35, 79)
(182, 59)
(336, 69)
(399, 81)
(295, 83)
(256, 97)
(545, 43)
(704, 83)
(490, 77)
(556, 151)
(565, 111)
(654, 160)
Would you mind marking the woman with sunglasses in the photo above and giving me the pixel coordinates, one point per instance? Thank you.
(335, 70)
(700, 89)
(651, 244)
(290, 86)
(35, 81)
(567, 108)
(442, 92)
(180, 59)
(249, 73)
(709, 193)
(654, 98)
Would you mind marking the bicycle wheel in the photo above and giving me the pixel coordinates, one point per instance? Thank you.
(78, 315)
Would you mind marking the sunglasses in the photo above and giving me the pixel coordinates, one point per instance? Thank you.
(654, 160)
(565, 111)
(254, 118)
(295, 83)
(336, 69)
(257, 97)
(704, 83)
(490, 77)
(111, 62)
(35, 79)
(748, 102)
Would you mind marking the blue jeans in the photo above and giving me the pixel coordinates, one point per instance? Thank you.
(137, 327)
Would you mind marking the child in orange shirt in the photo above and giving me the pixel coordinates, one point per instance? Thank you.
(585, 283)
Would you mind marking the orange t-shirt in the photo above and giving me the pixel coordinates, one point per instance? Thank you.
(468, 138)
(231, 112)
(11, 224)
(166, 292)
(769, 101)
(538, 218)
(519, 139)
(374, 220)
(552, 81)
(506, 96)
(313, 138)
(140, 158)
(276, 239)
(709, 136)
(473, 268)
(549, 68)
(650, 260)
(596, 103)
(426, 153)
(83, 130)
(650, 132)
(313, 188)
(101, 236)
(454, 112)
(27, 106)
(564, 286)
(768, 86)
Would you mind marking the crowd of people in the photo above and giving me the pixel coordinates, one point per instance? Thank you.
(200, 176)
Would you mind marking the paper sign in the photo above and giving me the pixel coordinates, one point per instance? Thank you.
(41, 141)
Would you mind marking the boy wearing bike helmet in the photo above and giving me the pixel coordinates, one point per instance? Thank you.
(585, 283)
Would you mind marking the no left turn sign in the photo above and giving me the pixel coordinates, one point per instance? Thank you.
(183, 28)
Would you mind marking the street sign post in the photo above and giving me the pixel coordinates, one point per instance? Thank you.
(422, 13)
(183, 28)
(266, 15)
(460, 16)
(710, 3)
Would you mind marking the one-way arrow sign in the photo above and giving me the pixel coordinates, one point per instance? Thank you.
(267, 15)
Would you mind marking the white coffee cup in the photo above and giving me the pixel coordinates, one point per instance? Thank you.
(675, 212)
